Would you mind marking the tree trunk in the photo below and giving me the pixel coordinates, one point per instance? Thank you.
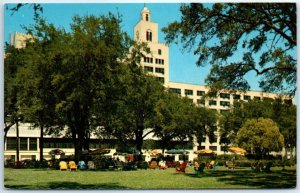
(18, 142)
(41, 145)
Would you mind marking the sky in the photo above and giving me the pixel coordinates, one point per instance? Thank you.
(182, 63)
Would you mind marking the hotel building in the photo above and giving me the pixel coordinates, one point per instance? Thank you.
(155, 63)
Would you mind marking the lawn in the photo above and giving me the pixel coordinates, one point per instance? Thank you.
(148, 179)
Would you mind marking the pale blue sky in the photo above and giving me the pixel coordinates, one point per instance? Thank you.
(182, 64)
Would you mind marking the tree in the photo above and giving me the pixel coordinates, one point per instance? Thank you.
(178, 118)
(12, 115)
(36, 99)
(129, 107)
(86, 61)
(64, 73)
(221, 31)
(280, 111)
(260, 136)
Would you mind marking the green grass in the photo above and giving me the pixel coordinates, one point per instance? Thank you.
(148, 179)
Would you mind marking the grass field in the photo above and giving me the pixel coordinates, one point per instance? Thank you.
(148, 179)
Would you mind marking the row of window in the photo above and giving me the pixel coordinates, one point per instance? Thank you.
(24, 143)
(157, 60)
(157, 70)
(222, 95)
(187, 91)
(30, 144)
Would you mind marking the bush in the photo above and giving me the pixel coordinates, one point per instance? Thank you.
(101, 162)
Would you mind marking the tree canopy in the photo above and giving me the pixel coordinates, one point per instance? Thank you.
(283, 113)
(260, 136)
(263, 33)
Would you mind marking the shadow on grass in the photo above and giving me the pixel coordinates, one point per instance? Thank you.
(275, 179)
(70, 186)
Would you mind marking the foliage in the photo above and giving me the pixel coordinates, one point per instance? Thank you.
(178, 118)
(37, 8)
(219, 32)
(280, 111)
(260, 136)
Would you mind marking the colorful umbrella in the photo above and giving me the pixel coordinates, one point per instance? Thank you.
(237, 150)
(155, 152)
(204, 152)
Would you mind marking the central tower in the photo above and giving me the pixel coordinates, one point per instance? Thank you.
(156, 62)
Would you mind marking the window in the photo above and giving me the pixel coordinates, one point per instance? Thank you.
(188, 92)
(212, 103)
(159, 51)
(161, 79)
(147, 17)
(23, 143)
(32, 144)
(256, 98)
(200, 93)
(159, 61)
(148, 69)
(214, 148)
(201, 147)
(236, 96)
(225, 103)
(225, 96)
(160, 70)
(148, 60)
(11, 143)
(149, 35)
(247, 97)
(175, 90)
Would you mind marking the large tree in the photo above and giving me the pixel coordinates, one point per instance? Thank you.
(179, 119)
(264, 33)
(260, 136)
(129, 108)
(67, 72)
(280, 111)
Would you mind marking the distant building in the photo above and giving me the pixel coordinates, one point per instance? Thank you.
(18, 40)
(155, 63)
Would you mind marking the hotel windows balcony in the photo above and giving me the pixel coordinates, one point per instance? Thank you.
(188, 92)
(175, 90)
(149, 35)
(160, 70)
(148, 69)
(159, 51)
(148, 60)
(225, 96)
(256, 98)
(225, 103)
(236, 96)
(212, 103)
(247, 97)
(200, 93)
(159, 61)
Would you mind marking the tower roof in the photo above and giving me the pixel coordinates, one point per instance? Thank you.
(145, 14)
